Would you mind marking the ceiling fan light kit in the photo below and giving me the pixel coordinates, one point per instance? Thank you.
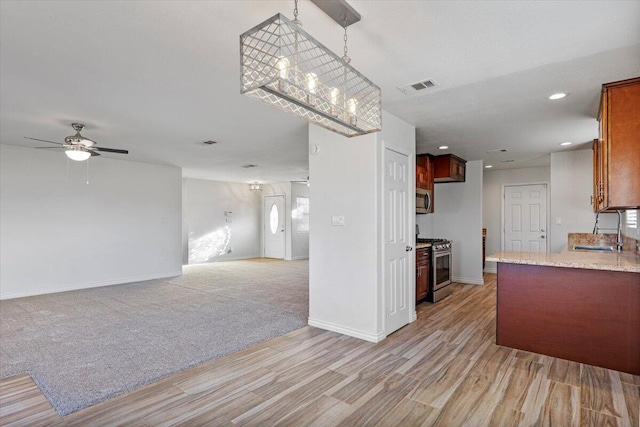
(79, 148)
(284, 66)
(77, 154)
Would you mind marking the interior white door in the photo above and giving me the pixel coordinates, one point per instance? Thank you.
(398, 266)
(525, 218)
(274, 231)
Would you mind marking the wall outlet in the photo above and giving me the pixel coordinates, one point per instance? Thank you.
(337, 221)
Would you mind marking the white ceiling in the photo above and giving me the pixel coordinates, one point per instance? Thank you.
(159, 77)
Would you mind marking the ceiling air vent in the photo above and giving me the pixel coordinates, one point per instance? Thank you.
(497, 150)
(418, 87)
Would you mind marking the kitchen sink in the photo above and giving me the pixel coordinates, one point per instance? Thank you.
(593, 248)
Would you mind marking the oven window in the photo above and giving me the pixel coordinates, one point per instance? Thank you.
(443, 271)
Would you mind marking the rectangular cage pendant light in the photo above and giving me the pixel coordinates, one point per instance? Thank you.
(284, 66)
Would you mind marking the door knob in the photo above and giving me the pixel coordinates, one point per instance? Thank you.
(408, 249)
(542, 237)
(542, 229)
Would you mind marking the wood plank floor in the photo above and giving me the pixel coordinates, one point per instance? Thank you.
(442, 370)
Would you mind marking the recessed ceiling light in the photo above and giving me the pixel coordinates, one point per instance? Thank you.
(566, 143)
(558, 95)
(443, 147)
(488, 166)
(210, 142)
(250, 166)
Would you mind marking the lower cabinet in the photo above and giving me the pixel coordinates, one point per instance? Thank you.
(422, 273)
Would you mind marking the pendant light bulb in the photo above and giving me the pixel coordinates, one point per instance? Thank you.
(312, 82)
(333, 98)
(283, 68)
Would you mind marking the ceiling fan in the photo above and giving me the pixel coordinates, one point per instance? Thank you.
(79, 148)
(301, 181)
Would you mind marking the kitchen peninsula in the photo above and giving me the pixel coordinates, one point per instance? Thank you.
(575, 305)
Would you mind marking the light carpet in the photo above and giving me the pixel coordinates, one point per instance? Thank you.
(86, 346)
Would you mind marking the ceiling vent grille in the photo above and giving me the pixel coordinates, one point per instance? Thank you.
(418, 87)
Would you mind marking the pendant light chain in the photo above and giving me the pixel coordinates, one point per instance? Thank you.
(345, 58)
(295, 14)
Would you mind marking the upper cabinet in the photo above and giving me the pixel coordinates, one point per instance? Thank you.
(616, 155)
(424, 178)
(449, 168)
(424, 171)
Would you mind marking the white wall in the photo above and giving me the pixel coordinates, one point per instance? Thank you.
(59, 233)
(494, 180)
(571, 190)
(206, 226)
(458, 218)
(345, 289)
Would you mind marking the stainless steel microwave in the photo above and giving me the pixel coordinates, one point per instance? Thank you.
(423, 201)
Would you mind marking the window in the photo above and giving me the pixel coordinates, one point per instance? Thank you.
(302, 214)
(632, 219)
(273, 219)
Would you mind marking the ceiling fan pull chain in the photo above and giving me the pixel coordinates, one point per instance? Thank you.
(87, 171)
(67, 175)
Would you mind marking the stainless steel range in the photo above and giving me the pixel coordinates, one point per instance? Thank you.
(439, 285)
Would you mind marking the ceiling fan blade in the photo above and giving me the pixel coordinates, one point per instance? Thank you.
(93, 153)
(48, 148)
(44, 140)
(110, 150)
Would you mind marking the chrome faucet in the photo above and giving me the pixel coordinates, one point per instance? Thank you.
(619, 242)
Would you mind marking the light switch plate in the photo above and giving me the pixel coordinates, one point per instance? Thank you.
(337, 221)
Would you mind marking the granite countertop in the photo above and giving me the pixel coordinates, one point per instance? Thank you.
(423, 245)
(625, 261)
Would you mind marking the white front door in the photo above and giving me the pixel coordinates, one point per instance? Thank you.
(274, 233)
(525, 218)
(398, 262)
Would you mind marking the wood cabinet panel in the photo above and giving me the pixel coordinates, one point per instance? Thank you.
(424, 175)
(588, 316)
(449, 168)
(422, 273)
(617, 153)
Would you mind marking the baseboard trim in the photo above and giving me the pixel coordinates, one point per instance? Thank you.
(296, 258)
(468, 280)
(334, 327)
(119, 281)
(493, 270)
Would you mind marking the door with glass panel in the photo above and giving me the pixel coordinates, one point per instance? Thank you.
(274, 234)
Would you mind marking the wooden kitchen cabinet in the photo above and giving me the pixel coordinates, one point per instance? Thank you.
(424, 176)
(422, 273)
(424, 171)
(616, 154)
(449, 168)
